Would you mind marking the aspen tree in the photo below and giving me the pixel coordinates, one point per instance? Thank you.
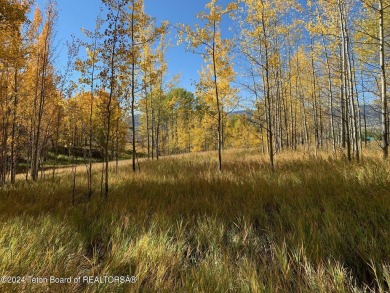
(334, 24)
(322, 27)
(382, 6)
(372, 33)
(141, 29)
(43, 68)
(89, 69)
(262, 24)
(148, 81)
(13, 16)
(112, 44)
(217, 76)
(17, 61)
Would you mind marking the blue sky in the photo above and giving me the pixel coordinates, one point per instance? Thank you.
(75, 14)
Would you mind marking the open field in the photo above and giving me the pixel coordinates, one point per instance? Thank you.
(314, 225)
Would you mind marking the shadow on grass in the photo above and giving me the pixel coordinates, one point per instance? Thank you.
(333, 210)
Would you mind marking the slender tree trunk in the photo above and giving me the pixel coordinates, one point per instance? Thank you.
(152, 122)
(147, 122)
(14, 126)
(217, 102)
(159, 119)
(109, 102)
(331, 99)
(354, 120)
(315, 106)
(90, 122)
(4, 143)
(344, 72)
(268, 104)
(134, 154)
(117, 145)
(74, 167)
(384, 114)
(56, 141)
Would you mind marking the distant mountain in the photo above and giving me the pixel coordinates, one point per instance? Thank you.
(372, 112)
(373, 115)
(247, 113)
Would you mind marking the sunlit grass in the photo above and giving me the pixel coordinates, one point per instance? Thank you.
(314, 225)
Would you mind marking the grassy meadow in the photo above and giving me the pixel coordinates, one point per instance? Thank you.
(314, 225)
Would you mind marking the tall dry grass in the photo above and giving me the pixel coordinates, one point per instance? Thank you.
(314, 225)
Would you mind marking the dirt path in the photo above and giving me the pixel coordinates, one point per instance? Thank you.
(95, 166)
(79, 168)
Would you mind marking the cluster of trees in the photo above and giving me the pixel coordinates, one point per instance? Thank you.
(308, 68)
(180, 122)
(27, 86)
(40, 113)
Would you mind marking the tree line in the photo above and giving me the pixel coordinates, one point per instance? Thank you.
(309, 70)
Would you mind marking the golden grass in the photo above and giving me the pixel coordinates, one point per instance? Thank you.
(314, 225)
